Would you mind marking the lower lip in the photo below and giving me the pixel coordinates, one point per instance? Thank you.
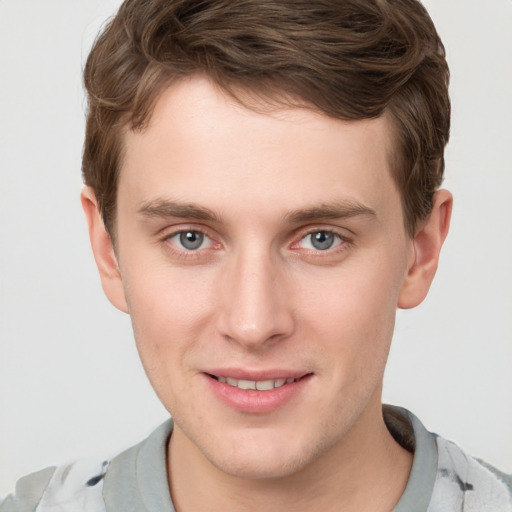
(256, 402)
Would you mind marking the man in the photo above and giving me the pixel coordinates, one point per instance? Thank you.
(262, 193)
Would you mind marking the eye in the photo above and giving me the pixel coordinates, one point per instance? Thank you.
(321, 240)
(191, 240)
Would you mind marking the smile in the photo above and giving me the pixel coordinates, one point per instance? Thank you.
(257, 385)
(249, 392)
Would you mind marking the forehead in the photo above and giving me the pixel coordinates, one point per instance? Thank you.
(203, 146)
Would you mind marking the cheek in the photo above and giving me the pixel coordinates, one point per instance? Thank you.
(168, 311)
(352, 312)
(160, 296)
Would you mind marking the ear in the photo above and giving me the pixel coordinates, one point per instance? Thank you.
(427, 244)
(103, 250)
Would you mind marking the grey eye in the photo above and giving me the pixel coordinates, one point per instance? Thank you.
(191, 240)
(322, 240)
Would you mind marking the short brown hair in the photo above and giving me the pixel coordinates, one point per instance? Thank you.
(350, 59)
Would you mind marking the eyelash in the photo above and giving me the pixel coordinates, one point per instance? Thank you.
(343, 242)
(183, 252)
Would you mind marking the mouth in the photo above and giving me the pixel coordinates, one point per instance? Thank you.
(257, 391)
(256, 385)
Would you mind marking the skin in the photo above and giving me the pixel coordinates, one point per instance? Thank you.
(258, 295)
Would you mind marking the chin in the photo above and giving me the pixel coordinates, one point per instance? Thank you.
(264, 457)
(259, 468)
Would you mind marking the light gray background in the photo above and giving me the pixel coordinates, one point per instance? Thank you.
(70, 381)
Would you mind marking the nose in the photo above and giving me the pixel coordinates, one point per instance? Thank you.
(255, 308)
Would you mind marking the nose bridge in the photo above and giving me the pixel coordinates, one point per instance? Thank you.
(254, 310)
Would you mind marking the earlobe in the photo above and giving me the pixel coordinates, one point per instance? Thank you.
(103, 251)
(427, 245)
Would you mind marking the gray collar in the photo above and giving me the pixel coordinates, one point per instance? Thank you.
(137, 479)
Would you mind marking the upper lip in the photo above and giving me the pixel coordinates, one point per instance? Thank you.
(257, 375)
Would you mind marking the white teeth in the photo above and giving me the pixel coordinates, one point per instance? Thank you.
(264, 385)
(260, 385)
(246, 384)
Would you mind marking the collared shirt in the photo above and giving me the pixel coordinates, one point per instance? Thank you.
(443, 478)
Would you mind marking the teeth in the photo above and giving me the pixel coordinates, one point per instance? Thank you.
(260, 385)
(264, 385)
(246, 384)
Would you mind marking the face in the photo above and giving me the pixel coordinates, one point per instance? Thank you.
(262, 258)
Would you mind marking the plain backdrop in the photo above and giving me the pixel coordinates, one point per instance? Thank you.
(70, 381)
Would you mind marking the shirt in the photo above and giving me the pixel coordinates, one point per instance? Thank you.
(443, 478)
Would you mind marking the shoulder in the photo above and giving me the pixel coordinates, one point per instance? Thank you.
(444, 478)
(77, 486)
(29, 490)
(124, 483)
(465, 483)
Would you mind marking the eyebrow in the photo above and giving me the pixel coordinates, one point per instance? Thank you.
(165, 208)
(332, 211)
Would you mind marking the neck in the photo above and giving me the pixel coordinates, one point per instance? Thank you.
(367, 471)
